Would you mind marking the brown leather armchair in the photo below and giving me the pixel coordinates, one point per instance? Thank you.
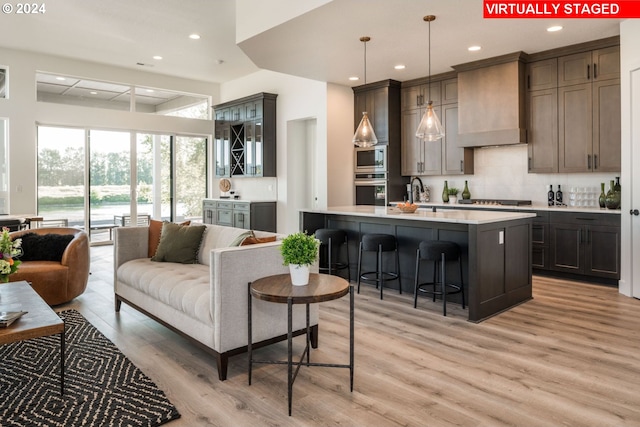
(57, 282)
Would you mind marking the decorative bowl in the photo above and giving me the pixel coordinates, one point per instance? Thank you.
(408, 208)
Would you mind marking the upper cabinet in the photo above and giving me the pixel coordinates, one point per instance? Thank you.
(491, 101)
(381, 101)
(245, 137)
(574, 109)
(443, 157)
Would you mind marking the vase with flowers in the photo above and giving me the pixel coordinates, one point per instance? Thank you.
(10, 250)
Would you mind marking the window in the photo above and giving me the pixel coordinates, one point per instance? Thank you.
(62, 89)
(4, 169)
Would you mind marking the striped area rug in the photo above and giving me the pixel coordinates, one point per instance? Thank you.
(102, 386)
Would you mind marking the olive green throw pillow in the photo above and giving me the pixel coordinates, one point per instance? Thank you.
(179, 243)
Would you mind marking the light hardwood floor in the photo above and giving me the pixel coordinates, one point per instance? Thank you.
(569, 357)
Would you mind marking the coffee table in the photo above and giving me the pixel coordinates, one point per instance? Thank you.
(40, 320)
(278, 289)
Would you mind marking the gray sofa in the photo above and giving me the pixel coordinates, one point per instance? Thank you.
(206, 302)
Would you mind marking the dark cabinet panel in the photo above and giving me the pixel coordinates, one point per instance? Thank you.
(245, 142)
(585, 244)
(248, 215)
(543, 131)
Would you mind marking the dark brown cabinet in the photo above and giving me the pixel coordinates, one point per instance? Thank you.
(590, 66)
(247, 215)
(381, 101)
(585, 244)
(443, 157)
(542, 116)
(589, 111)
(540, 240)
(245, 137)
(573, 117)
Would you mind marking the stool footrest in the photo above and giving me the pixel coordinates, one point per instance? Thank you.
(456, 288)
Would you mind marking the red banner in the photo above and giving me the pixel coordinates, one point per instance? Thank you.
(562, 9)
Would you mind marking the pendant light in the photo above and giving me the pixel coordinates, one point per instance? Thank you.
(365, 136)
(430, 128)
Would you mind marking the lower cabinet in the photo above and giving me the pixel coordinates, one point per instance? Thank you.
(248, 215)
(585, 244)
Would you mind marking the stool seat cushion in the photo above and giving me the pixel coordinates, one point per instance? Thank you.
(433, 250)
(336, 236)
(371, 242)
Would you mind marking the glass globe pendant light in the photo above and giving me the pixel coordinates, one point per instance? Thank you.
(430, 128)
(365, 136)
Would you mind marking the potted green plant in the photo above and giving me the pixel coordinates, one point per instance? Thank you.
(299, 251)
(453, 194)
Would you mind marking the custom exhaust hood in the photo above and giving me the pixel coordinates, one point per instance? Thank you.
(491, 101)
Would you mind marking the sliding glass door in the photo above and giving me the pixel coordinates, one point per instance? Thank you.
(190, 168)
(109, 182)
(61, 176)
(88, 177)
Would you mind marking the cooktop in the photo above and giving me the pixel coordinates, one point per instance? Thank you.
(502, 202)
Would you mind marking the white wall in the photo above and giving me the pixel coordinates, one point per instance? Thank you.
(298, 99)
(501, 173)
(24, 113)
(340, 149)
(630, 60)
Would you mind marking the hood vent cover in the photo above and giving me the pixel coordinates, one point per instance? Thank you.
(491, 101)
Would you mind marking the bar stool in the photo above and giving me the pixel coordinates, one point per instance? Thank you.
(379, 243)
(333, 239)
(438, 251)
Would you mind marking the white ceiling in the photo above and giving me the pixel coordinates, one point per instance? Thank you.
(322, 44)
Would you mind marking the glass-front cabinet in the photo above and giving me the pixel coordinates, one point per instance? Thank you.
(246, 147)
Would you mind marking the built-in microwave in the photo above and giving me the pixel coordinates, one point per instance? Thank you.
(371, 159)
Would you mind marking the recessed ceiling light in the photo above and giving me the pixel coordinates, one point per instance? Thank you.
(157, 57)
(93, 92)
(554, 28)
(194, 36)
(354, 78)
(61, 79)
(474, 48)
(150, 90)
(400, 67)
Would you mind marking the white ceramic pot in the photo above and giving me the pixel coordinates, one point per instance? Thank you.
(453, 199)
(299, 274)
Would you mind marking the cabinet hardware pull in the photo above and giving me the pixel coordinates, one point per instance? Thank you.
(461, 165)
(595, 156)
(417, 99)
(595, 71)
(529, 163)
(588, 161)
(634, 212)
(588, 70)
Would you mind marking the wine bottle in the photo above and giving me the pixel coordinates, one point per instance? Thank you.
(551, 196)
(559, 196)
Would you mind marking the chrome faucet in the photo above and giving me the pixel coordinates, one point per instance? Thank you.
(420, 189)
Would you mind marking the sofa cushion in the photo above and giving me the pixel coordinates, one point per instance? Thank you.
(184, 287)
(219, 236)
(44, 247)
(155, 230)
(179, 243)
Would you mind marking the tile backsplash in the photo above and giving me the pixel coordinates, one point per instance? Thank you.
(501, 173)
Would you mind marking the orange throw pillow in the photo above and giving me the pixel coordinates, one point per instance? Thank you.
(155, 229)
(252, 240)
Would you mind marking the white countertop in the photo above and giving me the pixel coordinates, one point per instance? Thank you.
(441, 215)
(533, 207)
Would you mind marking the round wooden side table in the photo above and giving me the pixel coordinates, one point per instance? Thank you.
(278, 289)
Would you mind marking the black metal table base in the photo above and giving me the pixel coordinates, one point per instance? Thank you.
(291, 375)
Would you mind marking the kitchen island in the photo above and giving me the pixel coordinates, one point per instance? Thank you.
(496, 248)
